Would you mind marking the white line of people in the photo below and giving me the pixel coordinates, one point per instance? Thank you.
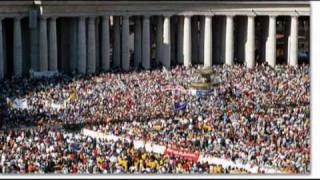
(259, 116)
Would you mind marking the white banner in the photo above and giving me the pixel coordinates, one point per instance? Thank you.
(226, 163)
(151, 147)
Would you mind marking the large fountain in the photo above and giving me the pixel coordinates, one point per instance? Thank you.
(206, 82)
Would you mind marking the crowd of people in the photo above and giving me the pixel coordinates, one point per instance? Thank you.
(257, 116)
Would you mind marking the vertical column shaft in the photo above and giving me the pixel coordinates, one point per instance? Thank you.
(250, 44)
(1, 53)
(17, 47)
(187, 41)
(34, 46)
(180, 39)
(116, 43)
(271, 42)
(166, 42)
(43, 45)
(293, 44)
(91, 46)
(137, 41)
(208, 42)
(125, 45)
(229, 49)
(105, 44)
(82, 50)
(146, 43)
(53, 52)
(159, 39)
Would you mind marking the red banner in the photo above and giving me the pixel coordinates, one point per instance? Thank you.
(185, 155)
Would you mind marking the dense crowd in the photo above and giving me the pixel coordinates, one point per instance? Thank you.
(259, 116)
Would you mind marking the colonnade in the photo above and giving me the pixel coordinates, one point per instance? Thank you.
(86, 47)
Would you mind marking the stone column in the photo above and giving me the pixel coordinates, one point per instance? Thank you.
(137, 41)
(250, 44)
(271, 42)
(229, 49)
(159, 39)
(180, 39)
(53, 52)
(105, 44)
(82, 50)
(208, 41)
(91, 46)
(146, 43)
(1, 53)
(34, 43)
(293, 44)
(187, 41)
(17, 47)
(166, 42)
(116, 43)
(43, 45)
(125, 44)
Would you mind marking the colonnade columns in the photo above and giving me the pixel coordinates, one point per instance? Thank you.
(159, 39)
(82, 50)
(208, 41)
(146, 43)
(91, 46)
(53, 52)
(187, 41)
(1, 52)
(202, 39)
(43, 45)
(250, 43)
(229, 49)
(105, 44)
(117, 43)
(17, 47)
(271, 42)
(137, 42)
(166, 42)
(293, 43)
(125, 46)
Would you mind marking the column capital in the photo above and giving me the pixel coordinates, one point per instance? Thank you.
(167, 15)
(187, 15)
(146, 16)
(230, 15)
(125, 17)
(295, 15)
(43, 18)
(106, 16)
(18, 18)
(82, 17)
(53, 18)
(251, 15)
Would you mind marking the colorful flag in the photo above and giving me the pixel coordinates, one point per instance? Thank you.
(180, 106)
